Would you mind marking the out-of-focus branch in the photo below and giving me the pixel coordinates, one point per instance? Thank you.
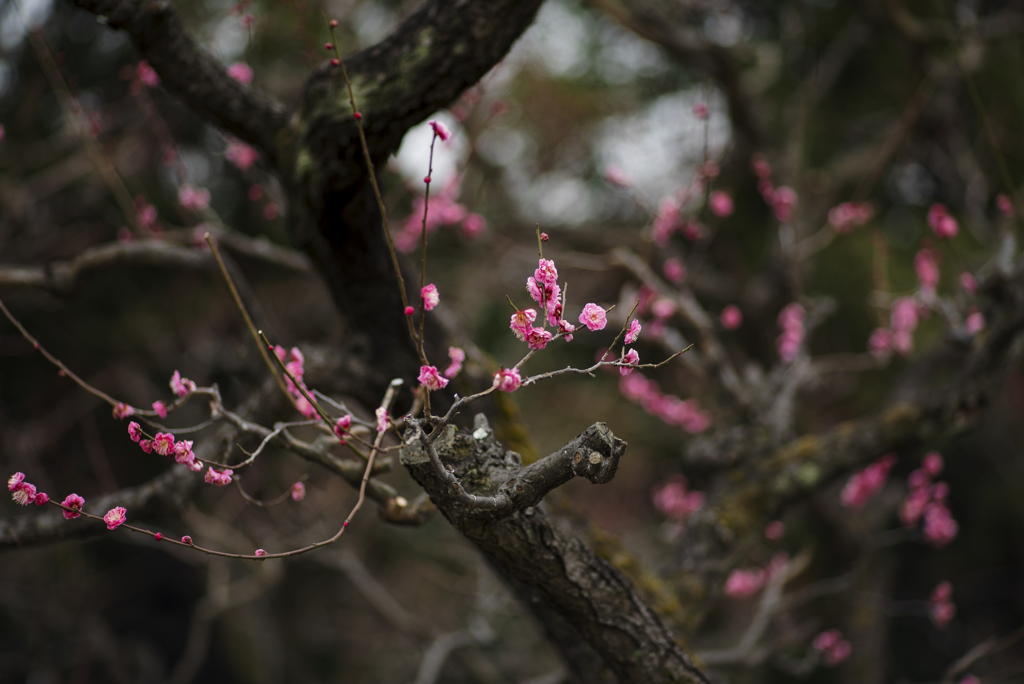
(685, 44)
(766, 477)
(190, 73)
(687, 305)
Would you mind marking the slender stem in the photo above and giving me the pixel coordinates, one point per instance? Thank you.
(107, 170)
(389, 397)
(245, 314)
(376, 191)
(284, 369)
(55, 361)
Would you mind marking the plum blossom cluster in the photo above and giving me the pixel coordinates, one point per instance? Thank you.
(670, 217)
(193, 198)
(863, 486)
(163, 444)
(687, 414)
(221, 478)
(926, 265)
(294, 363)
(899, 337)
(941, 608)
(926, 501)
(674, 501)
(745, 582)
(782, 200)
(833, 648)
(241, 155)
(847, 216)
(457, 357)
(445, 210)
(791, 321)
(942, 222)
(543, 289)
(24, 493)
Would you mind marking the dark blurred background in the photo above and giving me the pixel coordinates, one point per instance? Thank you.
(848, 100)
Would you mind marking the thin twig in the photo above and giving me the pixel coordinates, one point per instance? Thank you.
(245, 314)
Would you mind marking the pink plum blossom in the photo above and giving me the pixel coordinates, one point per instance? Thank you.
(674, 270)
(720, 203)
(146, 445)
(431, 379)
(74, 502)
(42, 498)
(849, 215)
(617, 177)
(674, 501)
(22, 492)
(163, 443)
(975, 323)
(833, 647)
(298, 491)
(146, 74)
(342, 426)
(241, 72)
(181, 386)
(774, 530)
(666, 220)
(744, 583)
(219, 478)
(731, 317)
(122, 411)
(522, 322)
(926, 264)
(941, 608)
(441, 131)
(538, 338)
(193, 198)
(431, 297)
(507, 380)
(633, 332)
(932, 463)
(546, 272)
(260, 553)
(243, 156)
(382, 418)
(457, 357)
(593, 317)
(187, 540)
(566, 329)
(939, 526)
(473, 225)
(115, 517)
(880, 343)
(969, 283)
(1005, 205)
(862, 486)
(663, 308)
(783, 201)
(134, 431)
(941, 222)
(632, 358)
(183, 452)
(160, 408)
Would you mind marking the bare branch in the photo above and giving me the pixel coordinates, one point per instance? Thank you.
(190, 73)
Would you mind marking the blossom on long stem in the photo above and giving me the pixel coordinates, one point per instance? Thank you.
(115, 517)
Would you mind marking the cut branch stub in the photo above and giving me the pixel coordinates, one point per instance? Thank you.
(482, 489)
(474, 473)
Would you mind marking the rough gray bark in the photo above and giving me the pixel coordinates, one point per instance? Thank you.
(547, 564)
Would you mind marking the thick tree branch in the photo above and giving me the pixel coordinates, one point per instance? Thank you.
(543, 561)
(190, 73)
(765, 477)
